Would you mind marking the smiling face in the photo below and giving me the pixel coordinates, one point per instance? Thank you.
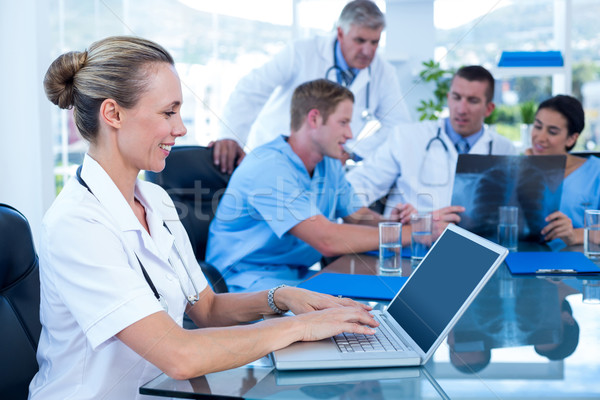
(468, 105)
(149, 129)
(550, 134)
(332, 134)
(359, 45)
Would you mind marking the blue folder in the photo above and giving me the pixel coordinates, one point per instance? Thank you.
(372, 287)
(550, 263)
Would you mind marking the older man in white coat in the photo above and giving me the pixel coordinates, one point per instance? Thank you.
(258, 109)
(417, 164)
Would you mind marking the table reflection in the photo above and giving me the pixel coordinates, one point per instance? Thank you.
(368, 383)
(260, 381)
(528, 335)
(511, 313)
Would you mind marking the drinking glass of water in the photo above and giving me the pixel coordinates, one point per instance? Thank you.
(591, 234)
(420, 238)
(390, 246)
(591, 291)
(508, 227)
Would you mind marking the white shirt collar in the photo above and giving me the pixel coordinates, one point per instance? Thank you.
(107, 193)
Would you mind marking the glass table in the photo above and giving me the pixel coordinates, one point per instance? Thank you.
(523, 337)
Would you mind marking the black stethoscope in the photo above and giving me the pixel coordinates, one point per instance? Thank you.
(438, 137)
(348, 77)
(193, 298)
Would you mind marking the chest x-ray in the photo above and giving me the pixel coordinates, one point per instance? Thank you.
(483, 183)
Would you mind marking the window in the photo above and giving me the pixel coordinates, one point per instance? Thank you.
(214, 43)
(477, 31)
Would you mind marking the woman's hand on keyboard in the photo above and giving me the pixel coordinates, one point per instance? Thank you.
(300, 301)
(322, 324)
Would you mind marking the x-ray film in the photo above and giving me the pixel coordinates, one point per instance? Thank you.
(483, 183)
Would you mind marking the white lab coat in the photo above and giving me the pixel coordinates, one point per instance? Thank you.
(402, 167)
(92, 286)
(264, 96)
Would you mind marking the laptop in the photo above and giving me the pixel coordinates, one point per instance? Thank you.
(419, 317)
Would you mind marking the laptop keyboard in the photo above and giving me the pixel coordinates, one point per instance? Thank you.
(382, 340)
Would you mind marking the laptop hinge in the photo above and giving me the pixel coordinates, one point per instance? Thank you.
(399, 334)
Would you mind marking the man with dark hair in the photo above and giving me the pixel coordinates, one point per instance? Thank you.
(417, 164)
(478, 73)
(278, 215)
(569, 338)
(258, 109)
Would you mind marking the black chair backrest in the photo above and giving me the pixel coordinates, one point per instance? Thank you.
(196, 187)
(20, 325)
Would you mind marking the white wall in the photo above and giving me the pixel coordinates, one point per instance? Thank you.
(26, 178)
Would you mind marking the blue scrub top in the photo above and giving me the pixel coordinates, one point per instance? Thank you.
(268, 194)
(581, 191)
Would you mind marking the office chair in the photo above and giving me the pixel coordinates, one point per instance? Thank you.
(196, 187)
(20, 325)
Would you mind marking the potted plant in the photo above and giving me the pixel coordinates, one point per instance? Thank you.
(432, 72)
(492, 118)
(527, 110)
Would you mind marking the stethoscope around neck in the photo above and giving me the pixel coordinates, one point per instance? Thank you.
(192, 298)
(347, 77)
(424, 160)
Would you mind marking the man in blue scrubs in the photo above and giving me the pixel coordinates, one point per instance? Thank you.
(278, 215)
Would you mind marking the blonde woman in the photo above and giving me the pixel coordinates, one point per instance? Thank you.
(117, 269)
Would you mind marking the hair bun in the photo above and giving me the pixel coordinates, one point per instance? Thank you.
(60, 77)
(573, 111)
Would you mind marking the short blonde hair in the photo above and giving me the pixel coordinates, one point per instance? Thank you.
(321, 94)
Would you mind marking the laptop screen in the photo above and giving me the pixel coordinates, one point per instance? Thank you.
(439, 287)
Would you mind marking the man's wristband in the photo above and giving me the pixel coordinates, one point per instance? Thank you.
(271, 301)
